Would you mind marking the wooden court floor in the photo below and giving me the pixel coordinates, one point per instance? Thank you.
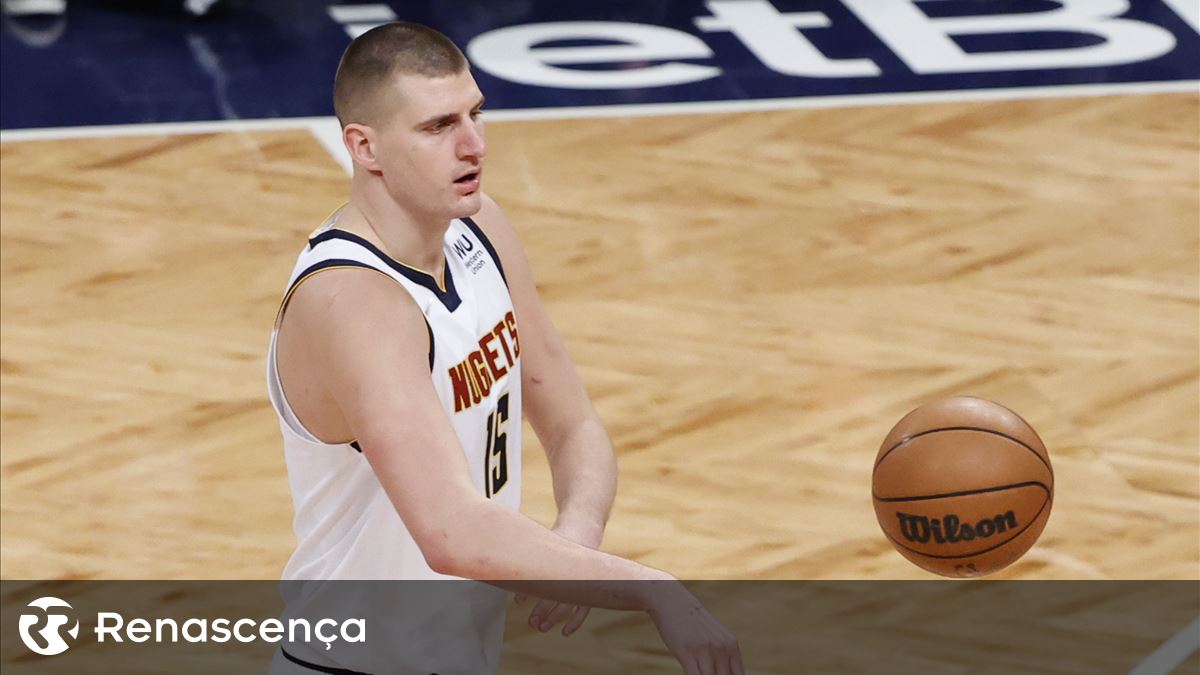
(753, 300)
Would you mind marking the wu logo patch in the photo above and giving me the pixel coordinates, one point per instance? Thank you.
(472, 257)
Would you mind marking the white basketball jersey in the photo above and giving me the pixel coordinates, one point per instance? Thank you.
(345, 525)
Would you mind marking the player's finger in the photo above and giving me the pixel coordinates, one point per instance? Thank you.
(707, 660)
(723, 656)
(735, 661)
(735, 664)
(556, 615)
(540, 611)
(576, 621)
(721, 663)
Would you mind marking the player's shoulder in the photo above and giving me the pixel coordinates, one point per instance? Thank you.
(342, 313)
(489, 212)
(497, 228)
(351, 296)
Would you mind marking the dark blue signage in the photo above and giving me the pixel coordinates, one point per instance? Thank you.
(119, 63)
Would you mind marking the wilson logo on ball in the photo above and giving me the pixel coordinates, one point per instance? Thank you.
(950, 530)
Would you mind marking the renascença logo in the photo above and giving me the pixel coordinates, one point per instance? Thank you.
(51, 641)
(42, 631)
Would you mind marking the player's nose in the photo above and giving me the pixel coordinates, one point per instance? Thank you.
(471, 143)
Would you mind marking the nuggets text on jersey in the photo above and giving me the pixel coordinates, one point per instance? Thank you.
(474, 376)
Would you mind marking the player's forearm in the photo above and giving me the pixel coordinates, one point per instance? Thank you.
(496, 544)
(584, 473)
(633, 596)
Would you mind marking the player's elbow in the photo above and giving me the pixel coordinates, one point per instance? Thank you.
(462, 549)
(440, 559)
(441, 549)
(451, 560)
(458, 560)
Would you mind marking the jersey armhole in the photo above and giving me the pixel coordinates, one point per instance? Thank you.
(310, 272)
(313, 270)
(342, 263)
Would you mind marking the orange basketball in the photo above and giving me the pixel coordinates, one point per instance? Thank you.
(962, 486)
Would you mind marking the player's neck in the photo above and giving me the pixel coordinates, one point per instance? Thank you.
(372, 214)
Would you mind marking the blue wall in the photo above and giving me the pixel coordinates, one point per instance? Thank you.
(121, 63)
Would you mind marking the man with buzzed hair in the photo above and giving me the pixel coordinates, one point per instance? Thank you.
(410, 342)
(368, 63)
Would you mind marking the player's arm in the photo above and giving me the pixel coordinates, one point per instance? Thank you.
(580, 454)
(369, 344)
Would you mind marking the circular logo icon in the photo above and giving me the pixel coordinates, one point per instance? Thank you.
(42, 629)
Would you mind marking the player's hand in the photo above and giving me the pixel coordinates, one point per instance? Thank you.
(701, 644)
(547, 614)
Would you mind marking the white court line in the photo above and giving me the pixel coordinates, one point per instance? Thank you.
(701, 107)
(361, 13)
(1173, 652)
(328, 133)
(851, 101)
(60, 133)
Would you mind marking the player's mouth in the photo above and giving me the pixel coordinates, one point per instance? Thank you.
(468, 182)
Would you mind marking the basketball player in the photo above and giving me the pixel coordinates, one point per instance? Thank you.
(410, 342)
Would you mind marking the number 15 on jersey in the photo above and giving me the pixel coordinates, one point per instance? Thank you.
(495, 461)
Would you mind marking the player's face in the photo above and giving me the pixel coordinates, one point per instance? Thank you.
(432, 146)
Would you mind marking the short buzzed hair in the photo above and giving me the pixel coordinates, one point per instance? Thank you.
(398, 48)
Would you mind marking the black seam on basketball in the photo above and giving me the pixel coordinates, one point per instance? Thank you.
(964, 493)
(1001, 434)
(1016, 534)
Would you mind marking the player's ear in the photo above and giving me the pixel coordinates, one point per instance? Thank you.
(360, 143)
